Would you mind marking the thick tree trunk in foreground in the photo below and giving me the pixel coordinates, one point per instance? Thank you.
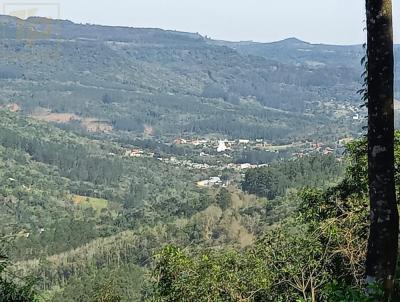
(383, 239)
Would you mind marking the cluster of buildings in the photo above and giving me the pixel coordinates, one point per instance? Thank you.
(321, 148)
(187, 163)
(204, 166)
(314, 148)
(195, 142)
(212, 181)
(302, 149)
(138, 153)
(222, 145)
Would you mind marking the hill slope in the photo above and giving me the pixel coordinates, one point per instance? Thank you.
(177, 83)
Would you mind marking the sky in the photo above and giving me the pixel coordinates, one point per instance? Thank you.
(315, 21)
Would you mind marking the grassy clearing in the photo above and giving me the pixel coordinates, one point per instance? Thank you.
(96, 204)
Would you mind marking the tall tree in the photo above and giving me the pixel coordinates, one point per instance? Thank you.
(384, 229)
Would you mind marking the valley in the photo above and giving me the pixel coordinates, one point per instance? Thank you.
(123, 148)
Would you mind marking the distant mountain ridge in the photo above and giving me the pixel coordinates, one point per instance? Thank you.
(68, 30)
(290, 48)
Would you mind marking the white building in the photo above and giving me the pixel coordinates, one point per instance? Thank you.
(221, 146)
(245, 166)
(212, 181)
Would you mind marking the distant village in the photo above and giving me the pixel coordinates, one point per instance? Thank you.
(224, 149)
(213, 154)
(223, 146)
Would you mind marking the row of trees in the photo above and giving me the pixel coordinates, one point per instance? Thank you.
(274, 180)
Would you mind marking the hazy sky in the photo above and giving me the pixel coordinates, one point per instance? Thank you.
(318, 21)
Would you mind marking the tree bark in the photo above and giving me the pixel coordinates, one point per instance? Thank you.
(384, 228)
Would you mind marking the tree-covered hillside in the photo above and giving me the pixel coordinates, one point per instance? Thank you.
(154, 165)
(171, 82)
(317, 252)
(79, 213)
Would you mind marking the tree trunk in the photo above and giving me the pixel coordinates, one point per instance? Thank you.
(383, 238)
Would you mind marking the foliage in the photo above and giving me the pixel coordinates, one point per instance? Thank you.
(211, 277)
(273, 180)
(223, 199)
(13, 290)
(111, 284)
(318, 254)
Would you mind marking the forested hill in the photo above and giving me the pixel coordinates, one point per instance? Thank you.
(173, 81)
(295, 51)
(84, 217)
